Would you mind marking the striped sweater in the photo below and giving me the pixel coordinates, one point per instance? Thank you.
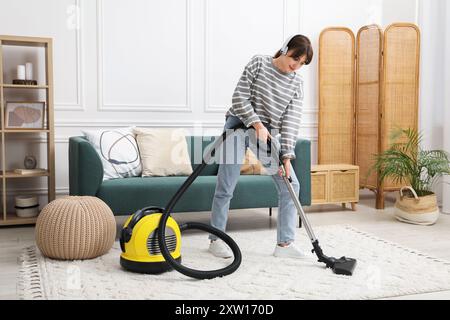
(266, 94)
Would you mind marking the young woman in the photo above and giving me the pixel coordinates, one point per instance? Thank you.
(268, 97)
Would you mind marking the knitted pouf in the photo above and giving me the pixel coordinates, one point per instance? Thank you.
(75, 227)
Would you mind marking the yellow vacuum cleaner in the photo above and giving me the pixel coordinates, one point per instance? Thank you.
(139, 242)
(151, 239)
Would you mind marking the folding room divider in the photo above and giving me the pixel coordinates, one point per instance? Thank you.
(367, 88)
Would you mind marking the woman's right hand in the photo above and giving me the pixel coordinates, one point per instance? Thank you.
(261, 132)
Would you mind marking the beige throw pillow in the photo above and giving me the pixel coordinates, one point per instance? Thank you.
(163, 151)
(252, 165)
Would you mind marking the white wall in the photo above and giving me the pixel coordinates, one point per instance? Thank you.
(434, 99)
(399, 11)
(173, 62)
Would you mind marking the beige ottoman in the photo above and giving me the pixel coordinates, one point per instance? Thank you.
(75, 227)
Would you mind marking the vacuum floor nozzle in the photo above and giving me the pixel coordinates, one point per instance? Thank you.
(344, 266)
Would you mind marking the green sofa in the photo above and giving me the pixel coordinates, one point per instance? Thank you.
(125, 196)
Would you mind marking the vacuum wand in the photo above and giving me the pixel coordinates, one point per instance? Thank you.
(342, 265)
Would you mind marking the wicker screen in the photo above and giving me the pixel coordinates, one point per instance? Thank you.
(336, 96)
(368, 75)
(360, 106)
(401, 82)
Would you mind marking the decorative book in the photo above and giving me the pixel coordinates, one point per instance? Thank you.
(30, 171)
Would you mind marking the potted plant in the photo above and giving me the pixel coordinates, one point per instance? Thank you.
(406, 163)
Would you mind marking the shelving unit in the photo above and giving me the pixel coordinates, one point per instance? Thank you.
(21, 86)
(6, 174)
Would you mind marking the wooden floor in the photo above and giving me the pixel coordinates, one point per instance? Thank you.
(434, 240)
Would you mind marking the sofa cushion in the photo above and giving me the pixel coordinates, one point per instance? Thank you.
(131, 194)
(163, 151)
(252, 165)
(117, 150)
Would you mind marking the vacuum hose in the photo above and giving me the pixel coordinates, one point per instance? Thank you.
(198, 274)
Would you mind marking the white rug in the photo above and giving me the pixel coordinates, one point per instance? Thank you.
(384, 269)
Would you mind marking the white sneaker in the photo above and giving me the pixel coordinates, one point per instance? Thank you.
(219, 249)
(290, 251)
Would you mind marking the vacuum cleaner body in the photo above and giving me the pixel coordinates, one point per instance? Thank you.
(140, 249)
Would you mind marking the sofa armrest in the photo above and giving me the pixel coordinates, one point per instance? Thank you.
(302, 168)
(85, 168)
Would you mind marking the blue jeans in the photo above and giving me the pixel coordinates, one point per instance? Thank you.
(228, 176)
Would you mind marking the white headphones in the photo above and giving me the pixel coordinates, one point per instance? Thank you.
(284, 49)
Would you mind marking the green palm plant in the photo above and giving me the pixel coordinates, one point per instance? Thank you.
(405, 162)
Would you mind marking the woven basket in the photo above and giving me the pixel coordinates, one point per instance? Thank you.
(416, 210)
(75, 227)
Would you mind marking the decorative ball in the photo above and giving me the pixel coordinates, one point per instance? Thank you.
(75, 227)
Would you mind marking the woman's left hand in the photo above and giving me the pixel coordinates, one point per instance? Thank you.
(287, 168)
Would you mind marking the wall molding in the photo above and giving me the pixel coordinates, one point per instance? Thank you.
(79, 104)
(64, 139)
(310, 110)
(208, 107)
(127, 123)
(156, 123)
(101, 106)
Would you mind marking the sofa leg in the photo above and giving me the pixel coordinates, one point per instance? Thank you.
(270, 212)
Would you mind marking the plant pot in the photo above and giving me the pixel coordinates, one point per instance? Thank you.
(416, 210)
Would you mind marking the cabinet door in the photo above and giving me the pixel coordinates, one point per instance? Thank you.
(319, 187)
(344, 186)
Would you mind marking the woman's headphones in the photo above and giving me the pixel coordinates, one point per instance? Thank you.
(284, 49)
